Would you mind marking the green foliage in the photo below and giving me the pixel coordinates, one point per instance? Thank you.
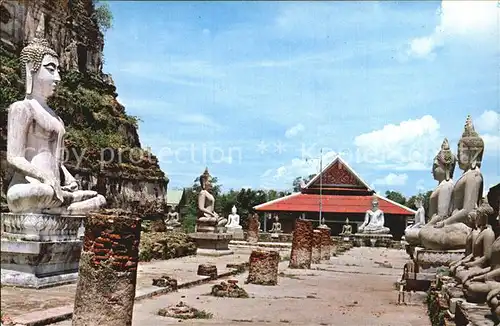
(296, 181)
(395, 196)
(102, 15)
(165, 245)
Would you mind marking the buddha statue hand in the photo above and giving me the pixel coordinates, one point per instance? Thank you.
(493, 293)
(73, 186)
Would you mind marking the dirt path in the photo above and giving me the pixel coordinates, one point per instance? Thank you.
(355, 289)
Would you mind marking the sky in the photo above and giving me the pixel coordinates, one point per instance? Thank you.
(255, 91)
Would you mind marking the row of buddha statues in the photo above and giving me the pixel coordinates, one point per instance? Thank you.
(450, 203)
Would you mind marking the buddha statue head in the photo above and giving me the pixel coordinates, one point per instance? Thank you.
(470, 147)
(374, 203)
(40, 65)
(233, 210)
(444, 163)
(419, 202)
(205, 180)
(484, 211)
(347, 221)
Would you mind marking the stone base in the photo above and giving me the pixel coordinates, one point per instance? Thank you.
(372, 240)
(212, 244)
(470, 314)
(36, 264)
(237, 234)
(426, 258)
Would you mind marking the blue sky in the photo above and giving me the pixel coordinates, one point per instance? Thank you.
(254, 90)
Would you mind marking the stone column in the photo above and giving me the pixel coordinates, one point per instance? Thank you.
(108, 270)
(316, 247)
(325, 243)
(263, 268)
(301, 245)
(253, 229)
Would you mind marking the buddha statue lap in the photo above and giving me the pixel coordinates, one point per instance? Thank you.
(35, 139)
(233, 219)
(208, 220)
(450, 231)
(412, 231)
(481, 248)
(172, 218)
(374, 220)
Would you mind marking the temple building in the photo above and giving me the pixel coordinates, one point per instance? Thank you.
(344, 194)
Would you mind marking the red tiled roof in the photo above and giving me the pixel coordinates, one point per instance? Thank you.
(300, 202)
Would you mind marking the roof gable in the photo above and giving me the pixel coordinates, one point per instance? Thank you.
(338, 174)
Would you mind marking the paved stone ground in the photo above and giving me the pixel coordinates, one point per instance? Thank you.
(355, 289)
(18, 301)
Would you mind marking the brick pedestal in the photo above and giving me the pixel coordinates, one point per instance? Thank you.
(302, 245)
(253, 229)
(316, 247)
(325, 243)
(108, 271)
(263, 268)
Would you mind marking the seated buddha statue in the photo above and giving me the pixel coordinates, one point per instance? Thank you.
(481, 248)
(469, 242)
(35, 141)
(411, 232)
(233, 219)
(493, 301)
(208, 219)
(276, 227)
(346, 228)
(374, 220)
(482, 281)
(172, 217)
(450, 231)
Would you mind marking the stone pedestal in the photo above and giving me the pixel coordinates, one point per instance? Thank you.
(263, 269)
(253, 230)
(237, 233)
(212, 244)
(108, 271)
(39, 250)
(207, 270)
(372, 240)
(470, 314)
(326, 243)
(432, 259)
(302, 245)
(316, 247)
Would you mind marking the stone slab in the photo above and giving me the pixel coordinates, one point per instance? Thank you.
(28, 280)
(237, 234)
(372, 240)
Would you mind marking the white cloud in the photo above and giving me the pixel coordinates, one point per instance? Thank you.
(491, 145)
(392, 179)
(409, 145)
(295, 130)
(488, 121)
(197, 119)
(472, 20)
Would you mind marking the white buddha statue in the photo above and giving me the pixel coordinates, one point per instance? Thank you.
(233, 220)
(374, 220)
(411, 232)
(276, 227)
(35, 134)
(172, 217)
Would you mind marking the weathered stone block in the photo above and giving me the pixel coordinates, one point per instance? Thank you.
(316, 247)
(302, 245)
(263, 268)
(212, 244)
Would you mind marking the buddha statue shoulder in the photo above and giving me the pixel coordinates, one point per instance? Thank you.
(483, 238)
(207, 216)
(35, 139)
(450, 231)
(233, 219)
(374, 220)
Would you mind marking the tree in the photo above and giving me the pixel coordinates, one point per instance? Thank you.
(297, 180)
(395, 196)
(102, 15)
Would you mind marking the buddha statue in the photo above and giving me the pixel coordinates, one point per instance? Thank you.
(233, 219)
(346, 228)
(484, 237)
(276, 227)
(493, 301)
(450, 231)
(172, 217)
(208, 219)
(374, 220)
(41, 183)
(411, 232)
(482, 281)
